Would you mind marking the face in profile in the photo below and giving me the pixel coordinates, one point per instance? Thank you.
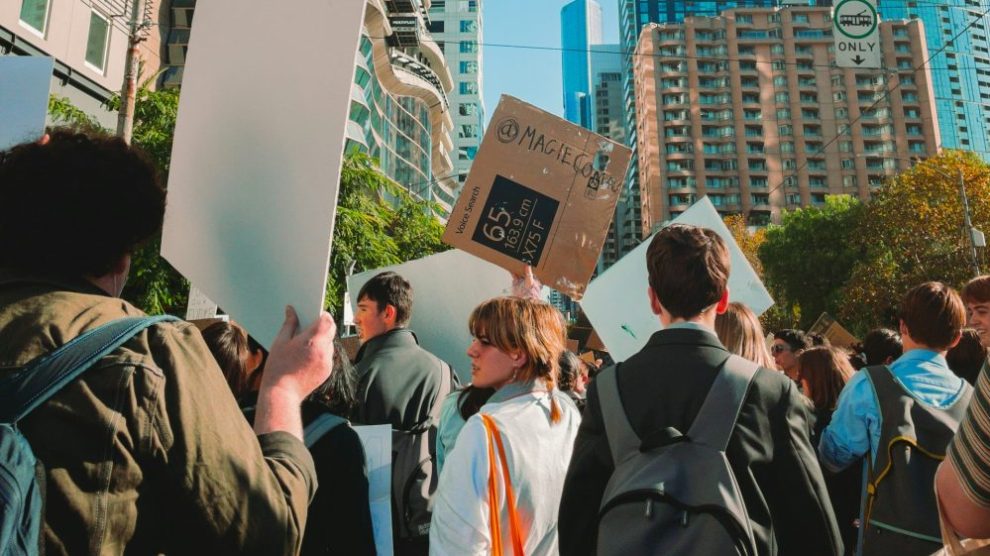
(978, 318)
(490, 366)
(369, 320)
(784, 357)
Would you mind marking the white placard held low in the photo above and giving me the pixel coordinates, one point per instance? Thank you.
(256, 160)
(617, 304)
(446, 289)
(377, 443)
(25, 83)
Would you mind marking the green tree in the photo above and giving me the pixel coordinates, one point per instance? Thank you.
(378, 224)
(810, 256)
(912, 231)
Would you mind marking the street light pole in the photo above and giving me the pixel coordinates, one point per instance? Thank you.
(125, 117)
(969, 225)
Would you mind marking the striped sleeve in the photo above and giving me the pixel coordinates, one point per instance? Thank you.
(970, 449)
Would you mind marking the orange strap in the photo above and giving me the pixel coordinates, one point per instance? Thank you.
(515, 530)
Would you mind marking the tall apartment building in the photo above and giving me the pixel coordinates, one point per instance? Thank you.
(633, 16)
(957, 31)
(88, 40)
(400, 111)
(457, 27)
(580, 31)
(749, 109)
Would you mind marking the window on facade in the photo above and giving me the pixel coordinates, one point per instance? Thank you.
(34, 14)
(469, 26)
(468, 88)
(468, 131)
(437, 26)
(97, 41)
(469, 67)
(467, 47)
(467, 109)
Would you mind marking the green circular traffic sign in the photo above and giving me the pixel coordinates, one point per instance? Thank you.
(858, 19)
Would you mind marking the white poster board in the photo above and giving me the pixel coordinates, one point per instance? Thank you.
(617, 303)
(377, 443)
(25, 83)
(256, 160)
(446, 289)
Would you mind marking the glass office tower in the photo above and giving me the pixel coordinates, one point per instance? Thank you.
(960, 66)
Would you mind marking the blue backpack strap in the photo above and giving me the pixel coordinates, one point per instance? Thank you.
(32, 385)
(321, 426)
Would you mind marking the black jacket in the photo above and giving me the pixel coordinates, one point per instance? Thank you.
(777, 470)
(398, 381)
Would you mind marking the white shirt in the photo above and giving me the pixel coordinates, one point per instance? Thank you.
(538, 453)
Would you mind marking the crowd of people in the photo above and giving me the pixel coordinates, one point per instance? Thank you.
(714, 438)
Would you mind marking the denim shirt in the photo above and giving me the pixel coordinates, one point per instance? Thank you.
(856, 423)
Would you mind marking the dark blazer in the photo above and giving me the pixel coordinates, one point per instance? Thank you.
(777, 470)
(398, 381)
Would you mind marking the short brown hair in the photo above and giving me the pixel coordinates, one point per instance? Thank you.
(531, 326)
(689, 269)
(977, 290)
(933, 314)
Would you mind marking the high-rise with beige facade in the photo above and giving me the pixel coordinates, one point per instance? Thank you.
(750, 109)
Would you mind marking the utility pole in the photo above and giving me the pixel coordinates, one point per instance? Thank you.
(975, 236)
(125, 118)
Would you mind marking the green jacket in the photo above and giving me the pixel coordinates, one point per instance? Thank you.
(148, 452)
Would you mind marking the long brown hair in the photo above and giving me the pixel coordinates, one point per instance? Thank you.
(531, 326)
(826, 369)
(740, 332)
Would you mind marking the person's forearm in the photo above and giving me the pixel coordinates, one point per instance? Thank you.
(962, 514)
(278, 410)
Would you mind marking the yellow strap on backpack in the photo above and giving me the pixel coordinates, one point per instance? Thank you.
(515, 530)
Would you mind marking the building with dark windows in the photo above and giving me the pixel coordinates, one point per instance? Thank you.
(956, 32)
(88, 40)
(633, 15)
(457, 25)
(749, 109)
(400, 110)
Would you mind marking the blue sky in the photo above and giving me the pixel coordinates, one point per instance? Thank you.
(529, 74)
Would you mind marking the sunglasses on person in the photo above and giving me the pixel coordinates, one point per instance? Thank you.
(779, 348)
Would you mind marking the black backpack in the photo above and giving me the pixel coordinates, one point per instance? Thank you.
(680, 497)
(414, 469)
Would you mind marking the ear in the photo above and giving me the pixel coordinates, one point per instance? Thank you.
(654, 301)
(519, 357)
(390, 315)
(902, 328)
(723, 304)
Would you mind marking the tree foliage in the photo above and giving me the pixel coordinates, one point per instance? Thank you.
(810, 256)
(378, 224)
(912, 231)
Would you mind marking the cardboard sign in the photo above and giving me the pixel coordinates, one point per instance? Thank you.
(617, 303)
(542, 192)
(446, 289)
(834, 332)
(256, 160)
(25, 82)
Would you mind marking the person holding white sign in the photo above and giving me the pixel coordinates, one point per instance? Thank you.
(145, 453)
(502, 481)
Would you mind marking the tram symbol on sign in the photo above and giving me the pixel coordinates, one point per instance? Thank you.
(862, 19)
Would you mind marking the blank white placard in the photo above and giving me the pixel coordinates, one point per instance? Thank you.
(25, 82)
(617, 304)
(257, 154)
(446, 289)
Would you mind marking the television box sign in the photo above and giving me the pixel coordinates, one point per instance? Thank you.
(542, 192)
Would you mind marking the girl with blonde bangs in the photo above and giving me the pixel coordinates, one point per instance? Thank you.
(501, 483)
(741, 333)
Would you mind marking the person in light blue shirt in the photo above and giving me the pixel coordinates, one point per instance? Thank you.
(915, 390)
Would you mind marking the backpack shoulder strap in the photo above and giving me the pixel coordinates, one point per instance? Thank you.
(32, 385)
(718, 414)
(320, 426)
(622, 439)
